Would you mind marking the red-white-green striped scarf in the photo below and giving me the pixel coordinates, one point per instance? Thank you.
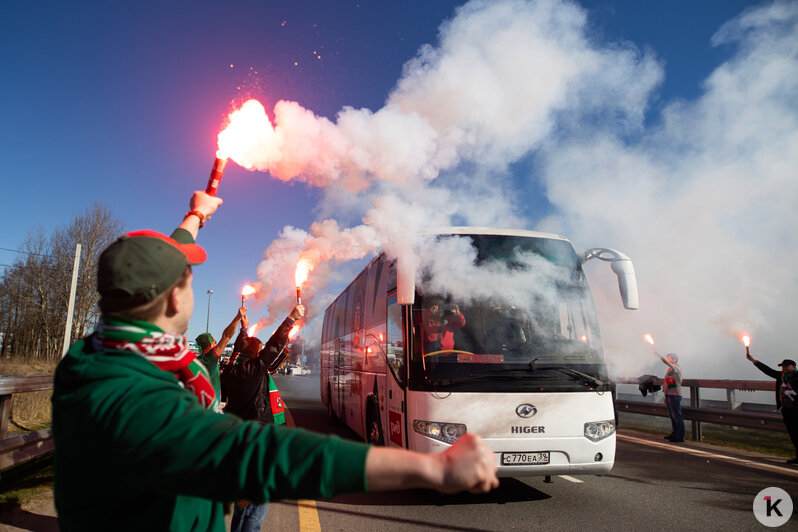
(167, 351)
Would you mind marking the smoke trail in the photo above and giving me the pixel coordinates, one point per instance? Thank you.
(437, 153)
(703, 201)
(704, 204)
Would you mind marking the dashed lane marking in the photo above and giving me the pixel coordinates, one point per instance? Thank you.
(571, 479)
(725, 458)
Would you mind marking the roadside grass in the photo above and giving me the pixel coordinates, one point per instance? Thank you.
(29, 411)
(761, 441)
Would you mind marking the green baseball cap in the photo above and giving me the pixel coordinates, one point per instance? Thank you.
(140, 265)
(204, 340)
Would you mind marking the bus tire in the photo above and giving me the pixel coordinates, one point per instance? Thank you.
(373, 425)
(330, 412)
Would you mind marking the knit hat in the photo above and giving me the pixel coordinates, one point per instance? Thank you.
(204, 341)
(140, 265)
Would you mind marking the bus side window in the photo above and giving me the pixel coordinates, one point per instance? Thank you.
(395, 341)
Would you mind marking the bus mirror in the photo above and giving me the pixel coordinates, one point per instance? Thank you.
(405, 281)
(627, 282)
(623, 268)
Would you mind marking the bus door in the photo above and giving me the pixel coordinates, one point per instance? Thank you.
(396, 378)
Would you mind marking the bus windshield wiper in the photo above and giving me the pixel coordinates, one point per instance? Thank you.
(483, 376)
(575, 373)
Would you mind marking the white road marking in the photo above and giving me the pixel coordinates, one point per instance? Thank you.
(571, 479)
(732, 459)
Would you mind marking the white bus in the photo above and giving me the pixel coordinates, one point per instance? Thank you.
(418, 370)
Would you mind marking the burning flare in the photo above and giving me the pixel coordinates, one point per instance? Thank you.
(648, 338)
(746, 340)
(248, 290)
(253, 329)
(293, 331)
(303, 268)
(247, 136)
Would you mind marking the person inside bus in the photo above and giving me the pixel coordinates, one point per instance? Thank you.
(439, 320)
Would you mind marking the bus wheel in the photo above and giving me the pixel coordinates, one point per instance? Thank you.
(330, 412)
(373, 425)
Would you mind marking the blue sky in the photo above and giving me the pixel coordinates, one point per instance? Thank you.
(122, 103)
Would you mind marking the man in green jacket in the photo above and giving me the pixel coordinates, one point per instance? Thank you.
(211, 350)
(138, 443)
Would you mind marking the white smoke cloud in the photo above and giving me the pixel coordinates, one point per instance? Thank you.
(702, 201)
(705, 206)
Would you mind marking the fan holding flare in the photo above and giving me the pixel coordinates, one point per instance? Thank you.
(786, 392)
(252, 395)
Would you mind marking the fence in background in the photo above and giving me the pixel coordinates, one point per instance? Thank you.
(731, 415)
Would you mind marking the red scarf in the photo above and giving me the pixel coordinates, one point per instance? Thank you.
(168, 352)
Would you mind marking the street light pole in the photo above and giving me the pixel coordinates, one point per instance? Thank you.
(208, 319)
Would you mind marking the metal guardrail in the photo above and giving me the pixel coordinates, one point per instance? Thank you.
(695, 414)
(17, 449)
(20, 448)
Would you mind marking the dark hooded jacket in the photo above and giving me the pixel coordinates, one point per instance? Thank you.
(244, 383)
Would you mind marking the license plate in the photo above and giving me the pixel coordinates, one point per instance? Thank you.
(525, 458)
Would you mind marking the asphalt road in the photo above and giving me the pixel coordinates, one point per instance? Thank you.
(653, 485)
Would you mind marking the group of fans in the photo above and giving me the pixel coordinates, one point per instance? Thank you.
(150, 437)
(245, 385)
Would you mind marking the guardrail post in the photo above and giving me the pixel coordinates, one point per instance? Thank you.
(731, 398)
(5, 415)
(695, 400)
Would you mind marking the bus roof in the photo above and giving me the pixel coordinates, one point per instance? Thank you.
(459, 230)
(467, 230)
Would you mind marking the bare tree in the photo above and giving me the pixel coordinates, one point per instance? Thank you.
(95, 230)
(34, 291)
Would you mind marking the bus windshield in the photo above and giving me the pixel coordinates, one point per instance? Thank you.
(542, 337)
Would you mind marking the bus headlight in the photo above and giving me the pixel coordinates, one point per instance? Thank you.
(598, 430)
(445, 432)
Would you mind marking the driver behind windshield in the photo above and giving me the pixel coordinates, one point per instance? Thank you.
(439, 320)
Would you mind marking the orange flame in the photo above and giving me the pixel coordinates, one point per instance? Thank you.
(303, 268)
(248, 290)
(746, 340)
(293, 331)
(253, 329)
(648, 338)
(246, 134)
(583, 338)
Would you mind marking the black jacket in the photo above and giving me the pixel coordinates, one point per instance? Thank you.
(646, 384)
(776, 374)
(245, 386)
